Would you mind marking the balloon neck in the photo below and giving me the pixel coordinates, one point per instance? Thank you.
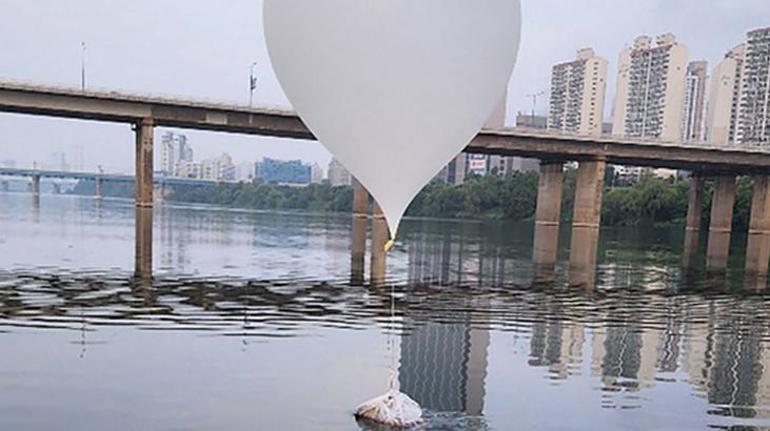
(389, 245)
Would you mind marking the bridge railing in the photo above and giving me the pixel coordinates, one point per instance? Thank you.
(138, 96)
(613, 139)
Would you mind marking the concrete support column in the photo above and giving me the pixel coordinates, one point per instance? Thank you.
(586, 221)
(143, 243)
(721, 223)
(36, 185)
(144, 162)
(694, 213)
(98, 187)
(358, 234)
(758, 245)
(379, 239)
(547, 216)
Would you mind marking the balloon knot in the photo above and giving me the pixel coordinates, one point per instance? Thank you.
(389, 245)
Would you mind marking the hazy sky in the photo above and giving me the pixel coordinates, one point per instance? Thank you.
(203, 49)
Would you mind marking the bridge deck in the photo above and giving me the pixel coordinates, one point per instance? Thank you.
(174, 112)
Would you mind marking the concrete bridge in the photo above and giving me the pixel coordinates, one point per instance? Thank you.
(722, 164)
(97, 177)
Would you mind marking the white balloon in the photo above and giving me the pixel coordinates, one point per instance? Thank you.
(395, 89)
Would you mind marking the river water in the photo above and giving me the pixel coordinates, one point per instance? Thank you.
(251, 322)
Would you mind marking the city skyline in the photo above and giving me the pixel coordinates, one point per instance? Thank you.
(177, 62)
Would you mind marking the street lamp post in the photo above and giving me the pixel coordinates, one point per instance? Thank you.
(252, 83)
(83, 66)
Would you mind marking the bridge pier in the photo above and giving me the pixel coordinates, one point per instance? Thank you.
(379, 239)
(586, 220)
(144, 162)
(721, 223)
(143, 243)
(98, 187)
(758, 245)
(358, 237)
(36, 185)
(547, 216)
(694, 214)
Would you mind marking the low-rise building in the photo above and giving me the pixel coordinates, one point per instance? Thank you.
(292, 172)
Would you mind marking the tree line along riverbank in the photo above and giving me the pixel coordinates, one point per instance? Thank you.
(651, 201)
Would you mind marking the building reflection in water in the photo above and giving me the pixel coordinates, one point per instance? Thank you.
(172, 240)
(443, 365)
(648, 332)
(631, 339)
(557, 346)
(449, 259)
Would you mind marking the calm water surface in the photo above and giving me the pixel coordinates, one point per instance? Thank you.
(251, 322)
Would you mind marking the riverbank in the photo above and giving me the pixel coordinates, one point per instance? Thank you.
(651, 201)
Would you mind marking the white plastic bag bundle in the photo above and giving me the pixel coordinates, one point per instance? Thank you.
(394, 409)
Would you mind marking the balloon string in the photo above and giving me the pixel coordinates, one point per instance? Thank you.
(393, 383)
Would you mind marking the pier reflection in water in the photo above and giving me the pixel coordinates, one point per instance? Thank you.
(251, 317)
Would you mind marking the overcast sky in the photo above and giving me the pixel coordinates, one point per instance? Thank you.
(203, 49)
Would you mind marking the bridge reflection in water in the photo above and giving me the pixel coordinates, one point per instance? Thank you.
(699, 331)
(628, 341)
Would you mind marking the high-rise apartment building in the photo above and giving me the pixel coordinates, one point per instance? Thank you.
(650, 90)
(694, 101)
(754, 112)
(724, 98)
(174, 150)
(337, 174)
(316, 174)
(577, 95)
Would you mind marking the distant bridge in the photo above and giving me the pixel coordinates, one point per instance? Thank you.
(93, 176)
(592, 153)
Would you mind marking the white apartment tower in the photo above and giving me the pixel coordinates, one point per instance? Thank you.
(694, 101)
(724, 98)
(577, 95)
(754, 115)
(316, 174)
(174, 150)
(337, 174)
(650, 90)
